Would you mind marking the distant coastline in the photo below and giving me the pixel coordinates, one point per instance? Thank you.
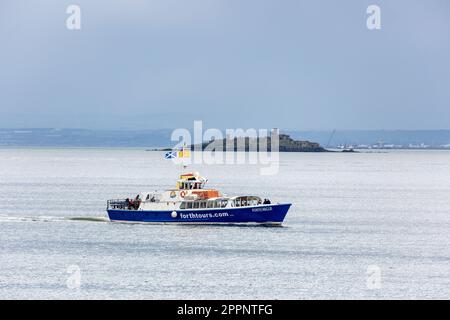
(160, 138)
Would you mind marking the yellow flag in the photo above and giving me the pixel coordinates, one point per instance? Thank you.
(184, 154)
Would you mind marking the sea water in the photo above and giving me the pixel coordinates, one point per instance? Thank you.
(362, 225)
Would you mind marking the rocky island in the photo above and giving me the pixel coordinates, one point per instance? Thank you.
(286, 144)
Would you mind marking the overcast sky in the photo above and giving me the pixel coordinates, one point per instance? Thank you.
(231, 63)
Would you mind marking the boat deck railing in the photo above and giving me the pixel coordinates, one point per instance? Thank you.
(120, 204)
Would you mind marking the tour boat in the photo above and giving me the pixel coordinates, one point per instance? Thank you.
(191, 203)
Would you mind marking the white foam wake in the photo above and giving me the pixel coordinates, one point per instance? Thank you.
(19, 218)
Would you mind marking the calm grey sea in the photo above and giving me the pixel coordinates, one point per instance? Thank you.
(362, 225)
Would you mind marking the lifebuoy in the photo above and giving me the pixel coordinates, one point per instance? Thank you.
(182, 194)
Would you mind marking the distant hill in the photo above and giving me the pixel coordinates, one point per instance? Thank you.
(85, 138)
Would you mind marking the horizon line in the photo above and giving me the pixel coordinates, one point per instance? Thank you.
(171, 129)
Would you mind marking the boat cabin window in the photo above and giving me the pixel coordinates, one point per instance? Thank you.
(220, 203)
(191, 185)
(246, 201)
(152, 197)
(189, 205)
(203, 204)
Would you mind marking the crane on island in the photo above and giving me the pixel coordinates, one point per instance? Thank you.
(331, 137)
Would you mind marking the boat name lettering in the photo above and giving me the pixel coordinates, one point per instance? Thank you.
(262, 209)
(192, 215)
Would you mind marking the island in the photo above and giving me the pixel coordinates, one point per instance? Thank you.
(246, 144)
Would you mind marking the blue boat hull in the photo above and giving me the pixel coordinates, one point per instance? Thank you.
(265, 214)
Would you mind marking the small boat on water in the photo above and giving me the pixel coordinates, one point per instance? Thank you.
(191, 203)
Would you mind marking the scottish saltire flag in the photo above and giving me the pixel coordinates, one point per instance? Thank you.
(170, 155)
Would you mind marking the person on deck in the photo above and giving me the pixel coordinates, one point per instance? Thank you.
(130, 203)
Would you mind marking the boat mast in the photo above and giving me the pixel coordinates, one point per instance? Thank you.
(183, 166)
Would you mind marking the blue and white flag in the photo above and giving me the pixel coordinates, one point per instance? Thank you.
(170, 155)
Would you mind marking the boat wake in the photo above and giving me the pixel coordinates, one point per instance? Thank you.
(91, 219)
(14, 218)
